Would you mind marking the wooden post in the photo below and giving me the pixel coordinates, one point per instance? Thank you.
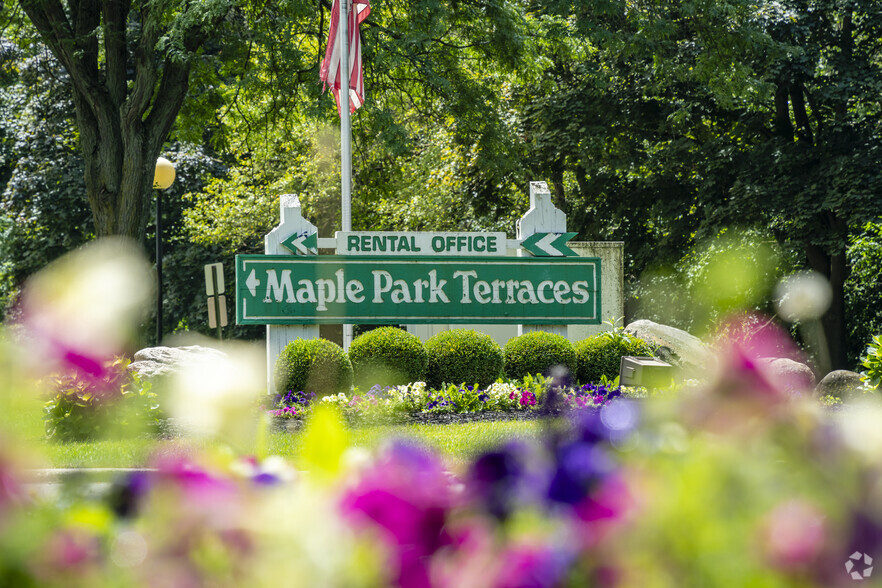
(278, 336)
(543, 217)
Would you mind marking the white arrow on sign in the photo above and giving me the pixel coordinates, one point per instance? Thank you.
(298, 243)
(252, 282)
(301, 245)
(545, 244)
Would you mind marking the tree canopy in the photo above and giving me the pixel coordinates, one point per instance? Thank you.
(659, 123)
(128, 66)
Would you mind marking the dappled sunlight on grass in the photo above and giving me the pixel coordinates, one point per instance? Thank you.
(115, 453)
(456, 442)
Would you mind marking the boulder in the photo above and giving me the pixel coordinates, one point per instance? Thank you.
(839, 383)
(793, 376)
(674, 346)
(154, 362)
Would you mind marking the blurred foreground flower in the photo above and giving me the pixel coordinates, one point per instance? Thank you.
(215, 396)
(803, 296)
(84, 308)
(743, 391)
(407, 497)
(743, 484)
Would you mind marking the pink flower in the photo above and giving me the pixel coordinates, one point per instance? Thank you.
(70, 550)
(407, 495)
(533, 566)
(794, 533)
(527, 398)
(751, 343)
(603, 510)
(284, 411)
(199, 487)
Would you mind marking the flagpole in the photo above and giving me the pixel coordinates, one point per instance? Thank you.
(345, 122)
(345, 137)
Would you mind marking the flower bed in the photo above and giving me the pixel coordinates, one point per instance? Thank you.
(529, 398)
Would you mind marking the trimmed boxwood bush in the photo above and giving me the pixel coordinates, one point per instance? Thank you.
(601, 354)
(462, 356)
(537, 353)
(387, 356)
(313, 365)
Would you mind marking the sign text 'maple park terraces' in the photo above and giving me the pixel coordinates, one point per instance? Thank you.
(389, 277)
(333, 289)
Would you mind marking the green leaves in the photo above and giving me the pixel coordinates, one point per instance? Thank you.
(116, 405)
(872, 363)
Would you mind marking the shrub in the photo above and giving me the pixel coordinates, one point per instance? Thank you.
(387, 356)
(538, 353)
(601, 355)
(462, 356)
(313, 365)
(872, 363)
(114, 403)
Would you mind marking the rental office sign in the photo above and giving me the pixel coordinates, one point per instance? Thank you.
(418, 289)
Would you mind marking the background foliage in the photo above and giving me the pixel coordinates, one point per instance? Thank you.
(666, 125)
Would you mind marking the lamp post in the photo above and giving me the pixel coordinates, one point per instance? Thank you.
(163, 176)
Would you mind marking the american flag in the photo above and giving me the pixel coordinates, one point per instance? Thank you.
(330, 70)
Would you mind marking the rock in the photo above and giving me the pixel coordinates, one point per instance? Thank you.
(154, 362)
(675, 346)
(791, 375)
(840, 383)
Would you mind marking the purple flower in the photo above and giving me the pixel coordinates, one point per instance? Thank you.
(579, 467)
(589, 427)
(199, 487)
(266, 479)
(125, 497)
(495, 479)
(71, 550)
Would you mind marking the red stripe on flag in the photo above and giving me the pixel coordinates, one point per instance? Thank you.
(330, 69)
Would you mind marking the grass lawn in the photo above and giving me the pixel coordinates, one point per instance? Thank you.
(457, 443)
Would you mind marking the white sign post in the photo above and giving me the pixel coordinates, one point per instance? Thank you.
(292, 224)
(543, 217)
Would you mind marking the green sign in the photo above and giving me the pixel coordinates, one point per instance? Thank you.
(282, 289)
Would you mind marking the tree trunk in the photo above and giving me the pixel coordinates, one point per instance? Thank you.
(123, 120)
(118, 173)
(835, 269)
(783, 128)
(558, 194)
